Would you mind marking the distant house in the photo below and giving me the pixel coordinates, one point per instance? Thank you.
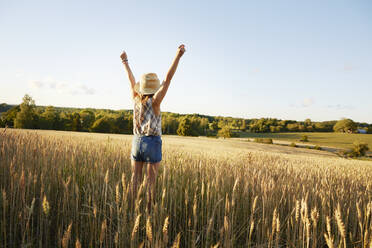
(361, 131)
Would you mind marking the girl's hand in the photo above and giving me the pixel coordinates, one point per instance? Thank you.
(124, 56)
(181, 50)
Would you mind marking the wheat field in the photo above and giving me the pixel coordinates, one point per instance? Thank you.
(65, 189)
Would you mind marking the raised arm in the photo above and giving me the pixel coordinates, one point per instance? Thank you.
(159, 95)
(124, 59)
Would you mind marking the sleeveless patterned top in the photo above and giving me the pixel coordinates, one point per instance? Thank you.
(145, 122)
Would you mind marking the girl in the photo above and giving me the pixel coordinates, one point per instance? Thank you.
(146, 146)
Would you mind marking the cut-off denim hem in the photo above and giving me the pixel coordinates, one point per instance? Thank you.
(146, 148)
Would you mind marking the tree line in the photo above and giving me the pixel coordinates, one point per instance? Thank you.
(28, 115)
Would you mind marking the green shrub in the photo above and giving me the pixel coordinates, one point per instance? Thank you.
(293, 144)
(264, 140)
(304, 138)
(360, 148)
(317, 147)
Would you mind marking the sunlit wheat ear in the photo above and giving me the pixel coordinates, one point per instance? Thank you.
(235, 186)
(135, 227)
(46, 206)
(202, 190)
(148, 229)
(340, 223)
(117, 193)
(251, 228)
(77, 244)
(163, 198)
(186, 197)
(66, 236)
(216, 245)
(165, 230)
(176, 243)
(94, 210)
(304, 211)
(278, 224)
(273, 225)
(329, 240)
(314, 216)
(297, 210)
(137, 205)
(194, 208)
(103, 231)
(254, 205)
(107, 176)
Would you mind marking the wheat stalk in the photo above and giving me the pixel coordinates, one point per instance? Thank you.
(176, 243)
(165, 230)
(103, 231)
(135, 227)
(148, 229)
(77, 244)
(66, 236)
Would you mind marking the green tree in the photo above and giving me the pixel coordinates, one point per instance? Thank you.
(307, 122)
(213, 126)
(278, 129)
(184, 127)
(345, 126)
(26, 116)
(49, 119)
(272, 129)
(301, 128)
(224, 132)
(169, 124)
(310, 128)
(292, 127)
(9, 116)
(76, 122)
(102, 125)
(243, 127)
(369, 130)
(120, 124)
(87, 119)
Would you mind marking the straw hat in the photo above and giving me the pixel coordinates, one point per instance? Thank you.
(148, 84)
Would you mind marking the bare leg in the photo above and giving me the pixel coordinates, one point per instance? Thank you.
(152, 172)
(136, 176)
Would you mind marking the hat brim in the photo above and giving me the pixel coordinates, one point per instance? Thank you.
(145, 91)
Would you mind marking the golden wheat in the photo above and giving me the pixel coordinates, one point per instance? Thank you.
(209, 193)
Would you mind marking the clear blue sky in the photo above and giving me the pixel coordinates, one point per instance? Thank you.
(251, 59)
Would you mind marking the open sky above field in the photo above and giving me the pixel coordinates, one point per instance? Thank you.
(252, 59)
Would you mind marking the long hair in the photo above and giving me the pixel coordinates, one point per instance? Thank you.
(143, 98)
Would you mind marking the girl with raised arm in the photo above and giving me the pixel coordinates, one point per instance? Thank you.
(146, 146)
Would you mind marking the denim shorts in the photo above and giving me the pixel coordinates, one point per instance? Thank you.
(146, 148)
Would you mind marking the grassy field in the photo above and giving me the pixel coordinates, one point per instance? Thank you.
(66, 189)
(338, 140)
